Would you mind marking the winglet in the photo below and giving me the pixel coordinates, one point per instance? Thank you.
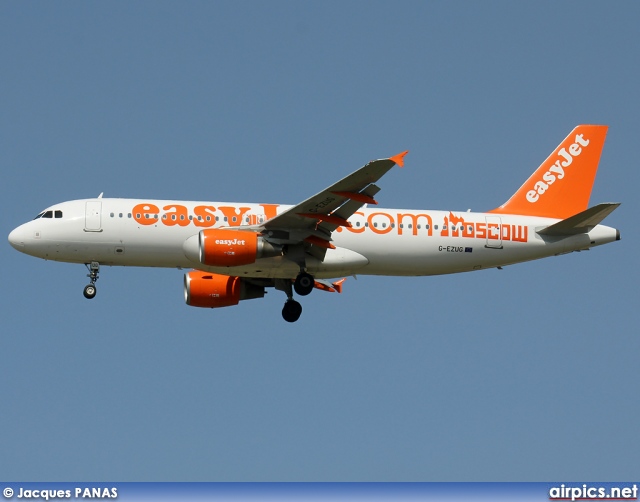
(338, 285)
(399, 159)
(331, 287)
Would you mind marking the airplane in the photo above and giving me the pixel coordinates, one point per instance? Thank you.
(237, 250)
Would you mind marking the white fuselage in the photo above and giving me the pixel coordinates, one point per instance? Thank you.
(153, 233)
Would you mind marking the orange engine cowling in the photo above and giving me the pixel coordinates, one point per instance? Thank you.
(233, 248)
(202, 289)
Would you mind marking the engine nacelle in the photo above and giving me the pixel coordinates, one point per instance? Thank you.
(228, 248)
(202, 289)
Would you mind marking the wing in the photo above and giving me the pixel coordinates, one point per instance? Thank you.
(312, 221)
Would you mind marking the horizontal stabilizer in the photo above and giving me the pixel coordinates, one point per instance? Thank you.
(582, 222)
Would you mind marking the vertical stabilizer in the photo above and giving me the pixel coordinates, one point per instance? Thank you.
(561, 186)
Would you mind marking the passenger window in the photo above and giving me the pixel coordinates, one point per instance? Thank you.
(112, 215)
(120, 215)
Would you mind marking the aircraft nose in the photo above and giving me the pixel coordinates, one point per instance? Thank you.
(17, 238)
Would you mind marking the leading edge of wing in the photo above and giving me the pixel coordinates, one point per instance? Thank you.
(350, 193)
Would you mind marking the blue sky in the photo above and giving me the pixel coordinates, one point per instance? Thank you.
(529, 373)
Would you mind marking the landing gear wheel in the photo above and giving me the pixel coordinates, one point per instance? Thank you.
(291, 311)
(303, 284)
(89, 291)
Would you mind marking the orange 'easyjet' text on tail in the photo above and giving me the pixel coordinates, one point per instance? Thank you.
(561, 186)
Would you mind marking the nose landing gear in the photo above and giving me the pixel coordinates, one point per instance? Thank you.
(90, 289)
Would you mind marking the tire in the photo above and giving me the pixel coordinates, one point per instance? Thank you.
(303, 284)
(291, 311)
(89, 291)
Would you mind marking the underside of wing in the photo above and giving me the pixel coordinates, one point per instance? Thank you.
(311, 222)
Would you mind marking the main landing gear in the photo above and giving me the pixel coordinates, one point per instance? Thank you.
(291, 311)
(303, 285)
(90, 289)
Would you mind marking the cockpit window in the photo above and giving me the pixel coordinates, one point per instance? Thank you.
(50, 214)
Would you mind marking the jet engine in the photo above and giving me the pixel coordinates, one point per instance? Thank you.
(202, 289)
(228, 248)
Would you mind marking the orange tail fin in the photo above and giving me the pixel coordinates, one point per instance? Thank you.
(561, 186)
